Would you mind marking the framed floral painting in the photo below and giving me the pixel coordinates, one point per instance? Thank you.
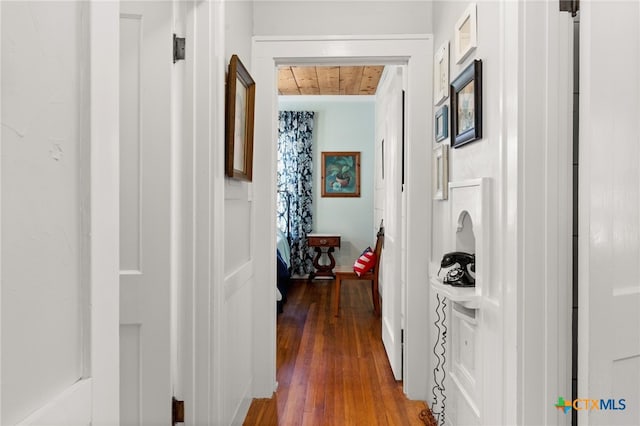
(340, 174)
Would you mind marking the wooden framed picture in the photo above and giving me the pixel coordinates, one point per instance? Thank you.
(440, 172)
(466, 34)
(441, 123)
(441, 74)
(239, 113)
(466, 105)
(340, 174)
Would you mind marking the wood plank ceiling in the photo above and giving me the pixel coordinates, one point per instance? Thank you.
(331, 80)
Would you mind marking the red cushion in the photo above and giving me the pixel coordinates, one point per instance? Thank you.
(365, 263)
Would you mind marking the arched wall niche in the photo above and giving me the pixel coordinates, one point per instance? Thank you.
(465, 237)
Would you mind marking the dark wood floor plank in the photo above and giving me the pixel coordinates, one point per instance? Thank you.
(332, 371)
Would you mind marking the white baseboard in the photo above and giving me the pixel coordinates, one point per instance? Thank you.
(243, 406)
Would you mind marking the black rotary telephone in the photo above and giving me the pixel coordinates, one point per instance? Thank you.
(463, 275)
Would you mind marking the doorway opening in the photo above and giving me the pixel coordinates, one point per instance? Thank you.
(414, 51)
(344, 125)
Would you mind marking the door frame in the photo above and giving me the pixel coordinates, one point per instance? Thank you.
(200, 293)
(393, 265)
(531, 319)
(104, 51)
(416, 52)
(603, 255)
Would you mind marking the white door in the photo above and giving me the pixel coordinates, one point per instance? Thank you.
(390, 101)
(609, 213)
(59, 214)
(145, 221)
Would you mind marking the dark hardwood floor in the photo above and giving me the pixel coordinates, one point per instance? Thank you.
(332, 371)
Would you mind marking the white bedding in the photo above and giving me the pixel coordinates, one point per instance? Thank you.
(285, 252)
(283, 245)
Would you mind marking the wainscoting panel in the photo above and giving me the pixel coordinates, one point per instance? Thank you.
(130, 386)
(130, 144)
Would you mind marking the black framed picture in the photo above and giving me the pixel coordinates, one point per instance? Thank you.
(466, 105)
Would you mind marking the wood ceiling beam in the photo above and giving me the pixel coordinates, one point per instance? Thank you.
(286, 82)
(370, 78)
(328, 80)
(307, 80)
(350, 78)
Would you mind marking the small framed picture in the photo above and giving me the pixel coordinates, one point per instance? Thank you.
(466, 105)
(340, 174)
(239, 111)
(466, 34)
(441, 123)
(440, 172)
(441, 74)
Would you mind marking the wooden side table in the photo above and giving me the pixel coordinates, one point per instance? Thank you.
(320, 243)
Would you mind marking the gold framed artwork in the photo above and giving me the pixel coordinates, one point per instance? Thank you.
(239, 115)
(340, 174)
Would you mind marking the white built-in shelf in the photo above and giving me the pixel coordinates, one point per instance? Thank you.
(466, 296)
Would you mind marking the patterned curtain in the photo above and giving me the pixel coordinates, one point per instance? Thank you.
(295, 166)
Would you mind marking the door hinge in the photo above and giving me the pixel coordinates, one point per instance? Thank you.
(572, 6)
(178, 48)
(177, 411)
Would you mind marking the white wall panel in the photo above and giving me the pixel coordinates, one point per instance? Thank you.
(44, 207)
(130, 140)
(239, 233)
(145, 71)
(342, 17)
(524, 152)
(626, 380)
(609, 196)
(237, 355)
(130, 386)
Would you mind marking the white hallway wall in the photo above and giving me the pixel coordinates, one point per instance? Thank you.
(525, 152)
(44, 199)
(239, 33)
(341, 17)
(609, 211)
(474, 160)
(500, 29)
(237, 318)
(341, 125)
(47, 230)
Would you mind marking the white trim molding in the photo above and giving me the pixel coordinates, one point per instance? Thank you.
(533, 217)
(105, 210)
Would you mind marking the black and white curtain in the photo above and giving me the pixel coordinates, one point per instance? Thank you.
(295, 166)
